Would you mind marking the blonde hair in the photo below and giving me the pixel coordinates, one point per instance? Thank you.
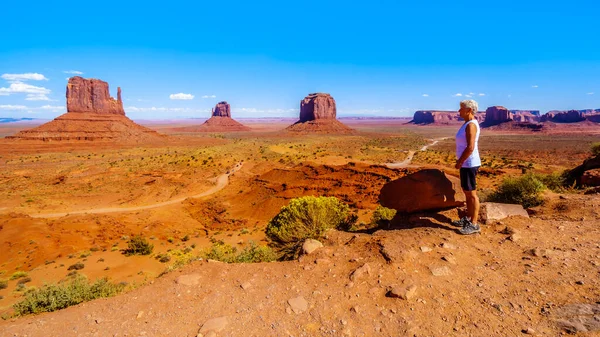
(469, 103)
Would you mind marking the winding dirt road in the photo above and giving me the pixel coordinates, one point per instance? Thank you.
(406, 162)
(221, 182)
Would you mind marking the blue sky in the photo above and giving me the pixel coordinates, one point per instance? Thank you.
(377, 58)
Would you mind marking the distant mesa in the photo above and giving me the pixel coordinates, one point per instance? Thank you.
(91, 115)
(497, 114)
(220, 121)
(441, 117)
(318, 114)
(571, 116)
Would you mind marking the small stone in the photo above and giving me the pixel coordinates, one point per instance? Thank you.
(579, 282)
(447, 245)
(425, 249)
(188, 280)
(449, 259)
(310, 245)
(440, 271)
(528, 331)
(140, 314)
(298, 304)
(407, 293)
(360, 272)
(214, 324)
(515, 237)
(246, 285)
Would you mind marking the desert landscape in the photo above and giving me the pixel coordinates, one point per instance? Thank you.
(173, 219)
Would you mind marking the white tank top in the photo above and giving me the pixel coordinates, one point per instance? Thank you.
(461, 144)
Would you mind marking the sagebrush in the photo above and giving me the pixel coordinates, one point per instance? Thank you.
(525, 190)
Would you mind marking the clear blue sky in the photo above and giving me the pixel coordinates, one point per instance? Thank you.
(379, 58)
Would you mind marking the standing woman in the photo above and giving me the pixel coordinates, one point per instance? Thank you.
(468, 161)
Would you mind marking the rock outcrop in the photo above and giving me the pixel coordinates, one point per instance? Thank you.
(424, 190)
(318, 114)
(220, 121)
(571, 116)
(497, 114)
(222, 109)
(92, 95)
(424, 117)
(317, 106)
(92, 115)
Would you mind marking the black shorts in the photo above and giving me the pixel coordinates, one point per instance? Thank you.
(467, 178)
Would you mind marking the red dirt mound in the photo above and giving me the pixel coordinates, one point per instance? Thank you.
(320, 126)
(216, 124)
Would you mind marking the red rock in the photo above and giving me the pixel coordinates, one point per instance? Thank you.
(222, 109)
(216, 124)
(496, 115)
(441, 117)
(318, 114)
(525, 116)
(92, 95)
(591, 178)
(317, 106)
(424, 190)
(571, 116)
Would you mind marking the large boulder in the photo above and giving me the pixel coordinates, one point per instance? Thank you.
(317, 106)
(424, 190)
(92, 96)
(222, 109)
(496, 115)
(591, 178)
(493, 211)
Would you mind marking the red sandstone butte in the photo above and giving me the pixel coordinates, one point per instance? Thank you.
(318, 114)
(220, 121)
(424, 117)
(496, 115)
(92, 95)
(222, 109)
(571, 116)
(92, 115)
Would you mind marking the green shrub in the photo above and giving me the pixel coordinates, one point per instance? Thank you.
(76, 266)
(3, 284)
(53, 297)
(305, 218)
(252, 253)
(525, 190)
(382, 216)
(18, 274)
(138, 246)
(553, 181)
(595, 149)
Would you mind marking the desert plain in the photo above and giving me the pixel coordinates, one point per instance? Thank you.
(67, 203)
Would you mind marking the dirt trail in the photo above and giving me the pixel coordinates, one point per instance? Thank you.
(406, 162)
(221, 182)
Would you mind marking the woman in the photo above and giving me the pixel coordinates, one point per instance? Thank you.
(468, 161)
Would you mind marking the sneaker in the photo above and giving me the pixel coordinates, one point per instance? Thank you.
(460, 223)
(469, 228)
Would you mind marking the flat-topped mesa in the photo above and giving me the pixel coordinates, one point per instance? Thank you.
(571, 116)
(441, 117)
(497, 114)
(92, 96)
(222, 109)
(317, 106)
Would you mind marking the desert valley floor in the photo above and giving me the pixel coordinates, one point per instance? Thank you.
(78, 203)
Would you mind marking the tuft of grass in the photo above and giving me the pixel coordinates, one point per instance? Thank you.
(3, 284)
(252, 253)
(54, 297)
(595, 148)
(382, 216)
(18, 274)
(76, 266)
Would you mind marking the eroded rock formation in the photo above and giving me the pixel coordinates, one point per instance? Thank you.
(92, 115)
(220, 121)
(424, 117)
(318, 114)
(571, 116)
(496, 115)
(424, 190)
(92, 95)
(222, 109)
(317, 106)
